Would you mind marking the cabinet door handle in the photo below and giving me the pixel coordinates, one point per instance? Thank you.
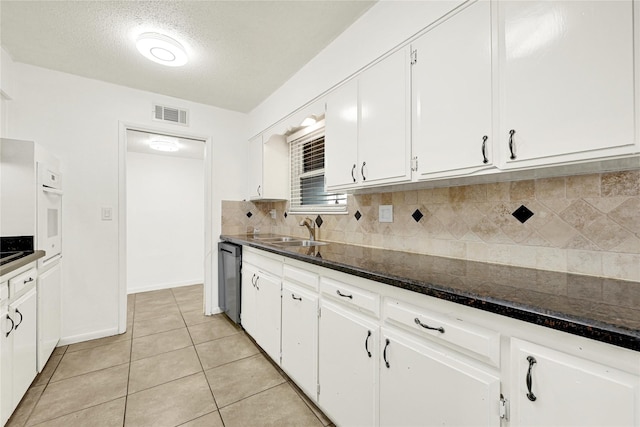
(259, 186)
(21, 318)
(253, 280)
(384, 353)
(12, 326)
(532, 361)
(511, 133)
(296, 298)
(353, 169)
(364, 178)
(484, 149)
(366, 343)
(418, 322)
(344, 295)
(257, 279)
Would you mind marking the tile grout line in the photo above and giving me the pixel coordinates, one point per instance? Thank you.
(126, 395)
(215, 402)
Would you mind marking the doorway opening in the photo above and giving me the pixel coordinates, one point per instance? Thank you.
(164, 208)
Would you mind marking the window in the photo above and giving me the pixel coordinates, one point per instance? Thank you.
(308, 194)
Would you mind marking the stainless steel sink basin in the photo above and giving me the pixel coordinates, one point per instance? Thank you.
(301, 243)
(279, 239)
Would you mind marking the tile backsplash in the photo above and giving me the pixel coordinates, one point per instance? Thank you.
(588, 224)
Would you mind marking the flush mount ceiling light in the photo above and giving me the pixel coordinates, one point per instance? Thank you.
(311, 120)
(161, 49)
(164, 145)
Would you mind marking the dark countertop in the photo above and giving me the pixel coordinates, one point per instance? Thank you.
(20, 262)
(601, 309)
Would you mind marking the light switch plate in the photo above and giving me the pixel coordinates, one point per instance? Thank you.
(107, 214)
(385, 213)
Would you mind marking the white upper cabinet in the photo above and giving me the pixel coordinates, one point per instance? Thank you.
(367, 139)
(384, 142)
(566, 81)
(341, 136)
(452, 104)
(268, 172)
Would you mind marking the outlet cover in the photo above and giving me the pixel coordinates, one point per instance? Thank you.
(385, 213)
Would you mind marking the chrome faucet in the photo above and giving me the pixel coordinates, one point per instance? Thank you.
(311, 226)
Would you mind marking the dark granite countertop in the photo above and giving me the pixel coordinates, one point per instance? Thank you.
(20, 262)
(601, 309)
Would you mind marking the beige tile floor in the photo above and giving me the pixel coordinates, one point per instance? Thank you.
(173, 367)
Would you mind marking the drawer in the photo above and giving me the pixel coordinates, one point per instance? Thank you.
(351, 296)
(4, 291)
(477, 341)
(21, 281)
(301, 277)
(264, 263)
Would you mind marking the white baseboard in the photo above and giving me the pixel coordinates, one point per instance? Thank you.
(216, 310)
(88, 336)
(160, 286)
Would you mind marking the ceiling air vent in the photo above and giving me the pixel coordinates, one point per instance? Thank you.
(171, 115)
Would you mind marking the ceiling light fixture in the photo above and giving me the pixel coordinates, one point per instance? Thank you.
(164, 145)
(311, 120)
(161, 49)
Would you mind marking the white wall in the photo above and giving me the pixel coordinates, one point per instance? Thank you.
(386, 25)
(6, 90)
(165, 221)
(78, 119)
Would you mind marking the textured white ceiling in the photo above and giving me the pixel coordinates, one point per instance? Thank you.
(239, 51)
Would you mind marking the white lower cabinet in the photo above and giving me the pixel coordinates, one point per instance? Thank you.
(552, 388)
(300, 337)
(260, 312)
(6, 350)
(348, 364)
(423, 386)
(49, 305)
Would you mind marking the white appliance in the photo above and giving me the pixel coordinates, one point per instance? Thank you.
(49, 239)
(49, 203)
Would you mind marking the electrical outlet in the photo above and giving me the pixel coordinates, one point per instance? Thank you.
(385, 213)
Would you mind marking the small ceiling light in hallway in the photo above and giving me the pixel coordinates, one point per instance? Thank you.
(161, 49)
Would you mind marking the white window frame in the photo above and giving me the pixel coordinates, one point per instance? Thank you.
(296, 140)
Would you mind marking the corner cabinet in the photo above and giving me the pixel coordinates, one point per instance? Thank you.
(268, 174)
(367, 131)
(566, 81)
(452, 123)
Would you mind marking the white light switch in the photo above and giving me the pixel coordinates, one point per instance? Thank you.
(107, 214)
(385, 213)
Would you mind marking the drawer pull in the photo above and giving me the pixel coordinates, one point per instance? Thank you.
(384, 353)
(12, 325)
(532, 361)
(30, 279)
(344, 295)
(296, 298)
(418, 322)
(366, 343)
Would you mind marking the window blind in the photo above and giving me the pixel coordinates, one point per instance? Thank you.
(308, 193)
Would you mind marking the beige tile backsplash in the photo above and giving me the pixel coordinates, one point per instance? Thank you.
(588, 224)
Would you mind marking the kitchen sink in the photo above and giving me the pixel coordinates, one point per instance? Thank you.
(301, 243)
(279, 239)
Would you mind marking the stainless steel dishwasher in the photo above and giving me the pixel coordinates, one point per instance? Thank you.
(229, 279)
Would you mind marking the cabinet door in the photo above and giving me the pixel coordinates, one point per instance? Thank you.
(422, 386)
(569, 391)
(384, 145)
(268, 309)
(248, 314)
(49, 290)
(341, 137)
(300, 337)
(24, 343)
(347, 371)
(254, 174)
(452, 130)
(6, 358)
(567, 80)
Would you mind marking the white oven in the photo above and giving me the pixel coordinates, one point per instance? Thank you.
(49, 229)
